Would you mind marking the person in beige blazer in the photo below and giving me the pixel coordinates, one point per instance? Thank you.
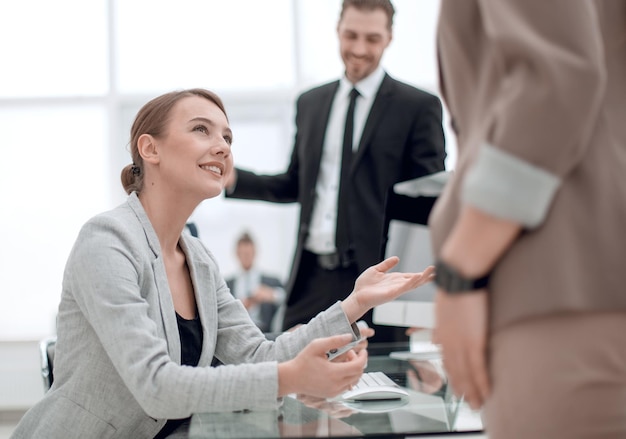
(530, 233)
(144, 308)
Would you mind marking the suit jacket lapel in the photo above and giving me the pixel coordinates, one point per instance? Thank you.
(378, 109)
(170, 326)
(319, 122)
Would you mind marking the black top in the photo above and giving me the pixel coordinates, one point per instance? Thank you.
(190, 340)
(190, 332)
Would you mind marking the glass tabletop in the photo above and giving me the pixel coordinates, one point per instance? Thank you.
(431, 408)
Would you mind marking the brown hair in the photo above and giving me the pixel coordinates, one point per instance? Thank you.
(245, 238)
(152, 119)
(370, 5)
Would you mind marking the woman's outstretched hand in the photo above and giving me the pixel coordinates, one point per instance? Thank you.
(376, 286)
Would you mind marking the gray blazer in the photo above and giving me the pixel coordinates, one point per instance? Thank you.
(117, 364)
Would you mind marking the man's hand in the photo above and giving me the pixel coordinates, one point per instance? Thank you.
(231, 180)
(264, 294)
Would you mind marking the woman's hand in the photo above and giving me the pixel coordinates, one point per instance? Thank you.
(424, 376)
(311, 373)
(475, 244)
(461, 330)
(376, 286)
(362, 345)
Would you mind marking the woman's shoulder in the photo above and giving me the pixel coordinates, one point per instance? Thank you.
(113, 231)
(119, 219)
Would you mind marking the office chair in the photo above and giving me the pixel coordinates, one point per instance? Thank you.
(46, 354)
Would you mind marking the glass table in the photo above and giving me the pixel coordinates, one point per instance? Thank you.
(431, 409)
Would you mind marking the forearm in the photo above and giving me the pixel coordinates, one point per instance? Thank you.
(287, 378)
(352, 309)
(477, 241)
(279, 188)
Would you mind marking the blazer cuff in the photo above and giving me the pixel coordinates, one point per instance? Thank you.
(504, 186)
(338, 323)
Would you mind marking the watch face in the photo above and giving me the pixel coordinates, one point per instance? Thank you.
(451, 281)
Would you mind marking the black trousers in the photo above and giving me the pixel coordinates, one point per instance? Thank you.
(315, 289)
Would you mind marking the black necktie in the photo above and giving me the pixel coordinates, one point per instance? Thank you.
(342, 239)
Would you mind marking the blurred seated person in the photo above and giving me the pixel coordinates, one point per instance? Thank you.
(261, 294)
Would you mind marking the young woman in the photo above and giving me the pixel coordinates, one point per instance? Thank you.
(144, 308)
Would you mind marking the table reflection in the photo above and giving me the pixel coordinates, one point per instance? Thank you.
(430, 408)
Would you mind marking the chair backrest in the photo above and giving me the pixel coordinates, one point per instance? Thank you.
(46, 354)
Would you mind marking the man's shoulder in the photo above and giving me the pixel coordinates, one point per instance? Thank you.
(398, 89)
(319, 90)
(407, 90)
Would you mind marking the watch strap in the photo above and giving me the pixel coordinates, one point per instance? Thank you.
(450, 280)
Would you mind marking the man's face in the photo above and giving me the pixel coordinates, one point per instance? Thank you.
(363, 38)
(245, 253)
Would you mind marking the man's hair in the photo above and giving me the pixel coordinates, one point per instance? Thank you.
(245, 238)
(370, 5)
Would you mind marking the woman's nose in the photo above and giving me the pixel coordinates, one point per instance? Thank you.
(221, 148)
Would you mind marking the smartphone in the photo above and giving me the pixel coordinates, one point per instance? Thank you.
(334, 353)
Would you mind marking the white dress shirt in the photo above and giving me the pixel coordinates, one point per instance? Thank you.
(321, 239)
(246, 283)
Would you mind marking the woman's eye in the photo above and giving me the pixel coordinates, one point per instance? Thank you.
(201, 128)
(228, 139)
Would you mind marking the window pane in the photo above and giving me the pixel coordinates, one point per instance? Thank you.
(412, 55)
(52, 48)
(235, 44)
(318, 53)
(53, 177)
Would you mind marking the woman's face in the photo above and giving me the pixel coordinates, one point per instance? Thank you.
(195, 156)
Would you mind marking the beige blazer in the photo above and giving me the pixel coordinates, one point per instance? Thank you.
(537, 94)
(117, 364)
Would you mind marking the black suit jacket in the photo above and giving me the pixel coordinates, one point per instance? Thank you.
(402, 139)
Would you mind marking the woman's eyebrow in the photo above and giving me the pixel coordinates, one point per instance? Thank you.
(208, 122)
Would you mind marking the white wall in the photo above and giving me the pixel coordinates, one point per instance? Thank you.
(21, 384)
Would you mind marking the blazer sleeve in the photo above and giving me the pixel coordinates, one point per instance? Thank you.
(548, 59)
(425, 154)
(279, 188)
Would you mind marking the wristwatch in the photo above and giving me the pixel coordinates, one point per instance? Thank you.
(450, 280)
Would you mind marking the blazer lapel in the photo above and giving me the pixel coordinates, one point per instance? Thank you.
(166, 304)
(378, 109)
(168, 314)
(206, 300)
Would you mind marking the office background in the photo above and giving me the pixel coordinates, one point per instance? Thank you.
(73, 75)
